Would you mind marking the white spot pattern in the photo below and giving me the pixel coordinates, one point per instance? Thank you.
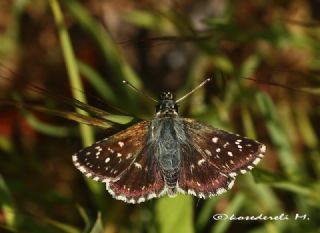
(201, 161)
(207, 152)
(121, 144)
(214, 139)
(232, 167)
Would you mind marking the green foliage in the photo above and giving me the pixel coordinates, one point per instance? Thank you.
(174, 215)
(41, 191)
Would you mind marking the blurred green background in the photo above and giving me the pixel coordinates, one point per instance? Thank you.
(84, 49)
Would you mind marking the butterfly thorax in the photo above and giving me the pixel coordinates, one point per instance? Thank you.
(167, 106)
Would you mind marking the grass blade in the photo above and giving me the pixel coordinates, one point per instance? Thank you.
(175, 214)
(74, 76)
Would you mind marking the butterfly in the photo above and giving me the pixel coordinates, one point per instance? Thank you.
(168, 155)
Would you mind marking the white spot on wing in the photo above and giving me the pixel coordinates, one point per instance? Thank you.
(214, 139)
(192, 192)
(138, 165)
(207, 152)
(121, 198)
(230, 153)
(74, 158)
(231, 184)
(256, 161)
(107, 160)
(108, 188)
(201, 195)
(132, 201)
(106, 180)
(151, 195)
(82, 169)
(220, 191)
(201, 161)
(141, 199)
(121, 144)
(180, 190)
(110, 150)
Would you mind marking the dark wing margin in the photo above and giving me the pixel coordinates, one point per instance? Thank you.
(123, 163)
(214, 158)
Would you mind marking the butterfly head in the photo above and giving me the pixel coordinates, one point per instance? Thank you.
(167, 105)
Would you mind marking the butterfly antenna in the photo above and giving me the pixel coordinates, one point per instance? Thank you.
(139, 91)
(194, 89)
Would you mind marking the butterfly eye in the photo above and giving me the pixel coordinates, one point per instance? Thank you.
(163, 96)
(166, 96)
(169, 95)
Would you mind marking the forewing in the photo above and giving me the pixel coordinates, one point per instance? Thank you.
(213, 157)
(126, 163)
(230, 153)
(110, 158)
